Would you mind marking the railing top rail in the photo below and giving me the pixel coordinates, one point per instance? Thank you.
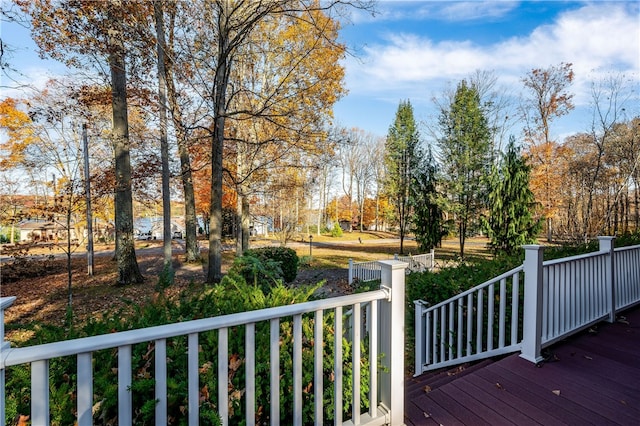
(367, 262)
(6, 301)
(627, 248)
(15, 356)
(574, 258)
(476, 288)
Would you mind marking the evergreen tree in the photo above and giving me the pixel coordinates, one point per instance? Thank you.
(402, 158)
(465, 150)
(427, 217)
(511, 204)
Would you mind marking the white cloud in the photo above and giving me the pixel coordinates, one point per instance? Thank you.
(475, 10)
(595, 37)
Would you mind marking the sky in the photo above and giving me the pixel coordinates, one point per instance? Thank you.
(417, 50)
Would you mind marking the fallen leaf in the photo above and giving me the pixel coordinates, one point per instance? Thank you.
(205, 367)
(426, 415)
(307, 389)
(499, 386)
(623, 402)
(235, 362)
(427, 389)
(204, 393)
(556, 392)
(588, 357)
(96, 407)
(23, 420)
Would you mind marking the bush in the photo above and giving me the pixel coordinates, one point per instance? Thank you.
(336, 231)
(284, 256)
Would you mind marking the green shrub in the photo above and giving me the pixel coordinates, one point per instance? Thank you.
(258, 272)
(286, 257)
(336, 231)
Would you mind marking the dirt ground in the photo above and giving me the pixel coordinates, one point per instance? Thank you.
(43, 297)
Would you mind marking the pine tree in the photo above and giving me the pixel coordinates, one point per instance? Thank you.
(465, 153)
(511, 204)
(402, 157)
(427, 217)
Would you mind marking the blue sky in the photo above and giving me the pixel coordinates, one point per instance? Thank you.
(415, 50)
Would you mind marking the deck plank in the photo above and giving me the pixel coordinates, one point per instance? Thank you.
(595, 377)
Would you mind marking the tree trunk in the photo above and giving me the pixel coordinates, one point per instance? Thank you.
(244, 221)
(192, 251)
(221, 80)
(636, 199)
(128, 271)
(164, 144)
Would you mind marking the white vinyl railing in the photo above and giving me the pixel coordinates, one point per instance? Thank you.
(463, 328)
(385, 316)
(529, 307)
(627, 276)
(370, 270)
(575, 294)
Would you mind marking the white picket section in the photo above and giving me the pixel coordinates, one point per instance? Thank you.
(370, 270)
(384, 314)
(363, 271)
(418, 262)
(530, 307)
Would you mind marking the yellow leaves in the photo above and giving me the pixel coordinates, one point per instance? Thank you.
(17, 126)
(548, 166)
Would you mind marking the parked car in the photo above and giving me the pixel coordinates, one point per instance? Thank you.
(176, 234)
(144, 236)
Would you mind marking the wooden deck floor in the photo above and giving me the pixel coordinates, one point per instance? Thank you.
(592, 378)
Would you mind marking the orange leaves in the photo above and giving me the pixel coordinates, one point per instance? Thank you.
(548, 167)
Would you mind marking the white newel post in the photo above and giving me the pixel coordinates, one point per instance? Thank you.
(392, 339)
(419, 325)
(607, 244)
(532, 314)
(5, 302)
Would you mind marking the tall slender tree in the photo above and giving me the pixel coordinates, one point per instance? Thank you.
(465, 154)
(128, 271)
(511, 222)
(402, 159)
(158, 15)
(428, 213)
(73, 32)
(548, 100)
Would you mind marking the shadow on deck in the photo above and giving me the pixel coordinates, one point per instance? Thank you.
(590, 378)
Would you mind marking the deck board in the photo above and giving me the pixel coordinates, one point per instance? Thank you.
(595, 376)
